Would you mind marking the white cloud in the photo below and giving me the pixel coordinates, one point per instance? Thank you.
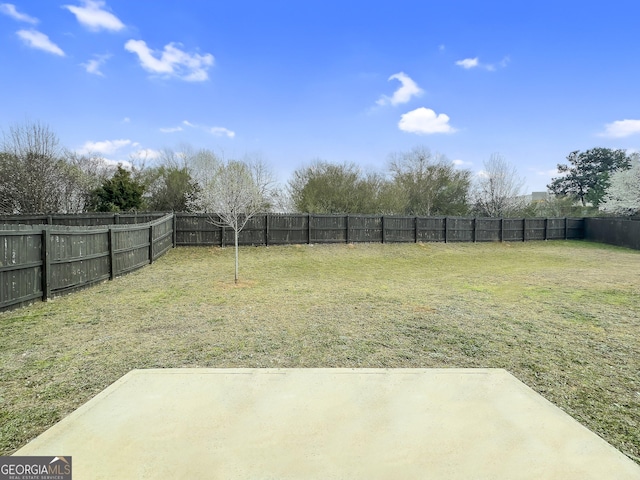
(468, 63)
(93, 66)
(126, 120)
(171, 129)
(92, 16)
(106, 147)
(10, 10)
(217, 131)
(146, 154)
(407, 90)
(621, 128)
(127, 165)
(461, 163)
(172, 61)
(39, 41)
(425, 121)
(222, 132)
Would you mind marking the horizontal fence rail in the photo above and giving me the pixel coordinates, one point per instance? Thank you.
(283, 229)
(42, 261)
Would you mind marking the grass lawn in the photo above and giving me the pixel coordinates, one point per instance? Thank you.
(562, 316)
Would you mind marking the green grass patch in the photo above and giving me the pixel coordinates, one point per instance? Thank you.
(562, 316)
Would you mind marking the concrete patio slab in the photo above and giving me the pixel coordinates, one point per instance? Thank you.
(326, 424)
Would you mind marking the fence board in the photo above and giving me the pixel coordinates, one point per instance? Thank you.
(131, 248)
(556, 228)
(328, 229)
(78, 258)
(286, 229)
(364, 228)
(535, 229)
(459, 229)
(399, 229)
(254, 232)
(20, 266)
(163, 236)
(194, 229)
(513, 230)
(488, 229)
(431, 229)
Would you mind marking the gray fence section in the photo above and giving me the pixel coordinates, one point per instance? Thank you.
(280, 229)
(614, 231)
(82, 219)
(42, 261)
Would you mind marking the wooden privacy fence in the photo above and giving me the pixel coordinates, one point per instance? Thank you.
(615, 231)
(279, 229)
(46, 255)
(41, 261)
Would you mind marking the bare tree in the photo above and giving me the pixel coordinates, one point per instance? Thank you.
(231, 196)
(498, 190)
(83, 174)
(9, 201)
(31, 170)
(265, 180)
(202, 164)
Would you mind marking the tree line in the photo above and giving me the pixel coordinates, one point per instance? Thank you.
(38, 175)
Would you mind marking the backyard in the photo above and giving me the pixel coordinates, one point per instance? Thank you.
(562, 316)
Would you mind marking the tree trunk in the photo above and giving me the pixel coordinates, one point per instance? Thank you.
(235, 231)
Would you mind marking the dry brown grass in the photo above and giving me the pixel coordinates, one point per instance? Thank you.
(564, 317)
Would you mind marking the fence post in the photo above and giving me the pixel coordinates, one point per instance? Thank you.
(415, 229)
(174, 237)
(309, 229)
(446, 227)
(46, 265)
(524, 229)
(384, 233)
(266, 230)
(565, 228)
(546, 228)
(112, 254)
(501, 229)
(475, 229)
(116, 218)
(151, 243)
(347, 235)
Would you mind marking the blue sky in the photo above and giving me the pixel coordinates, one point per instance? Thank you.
(342, 81)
